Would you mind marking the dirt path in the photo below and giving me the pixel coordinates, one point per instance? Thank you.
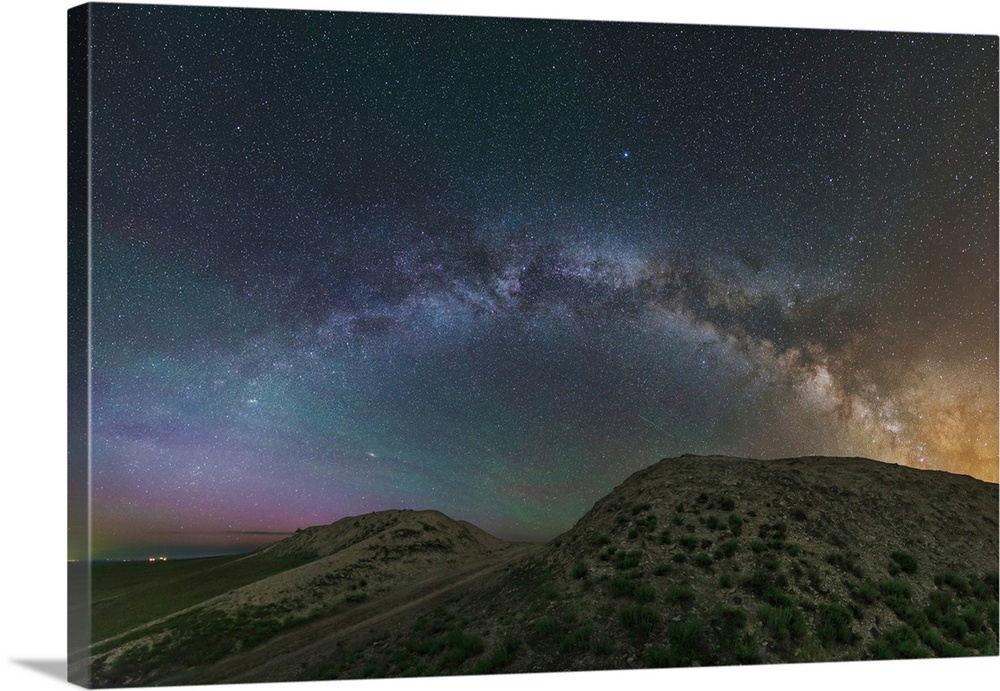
(287, 655)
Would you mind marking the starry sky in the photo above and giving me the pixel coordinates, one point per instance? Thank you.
(349, 262)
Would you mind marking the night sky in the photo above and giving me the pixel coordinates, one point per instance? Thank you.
(348, 262)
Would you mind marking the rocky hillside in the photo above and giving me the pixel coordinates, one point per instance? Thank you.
(714, 560)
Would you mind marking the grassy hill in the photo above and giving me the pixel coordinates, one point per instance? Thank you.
(692, 561)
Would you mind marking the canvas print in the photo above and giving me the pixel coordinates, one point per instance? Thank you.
(412, 345)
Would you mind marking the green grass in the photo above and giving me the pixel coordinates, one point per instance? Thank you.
(196, 638)
(126, 595)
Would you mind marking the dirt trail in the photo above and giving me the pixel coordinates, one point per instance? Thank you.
(287, 655)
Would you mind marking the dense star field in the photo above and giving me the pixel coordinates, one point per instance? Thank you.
(348, 262)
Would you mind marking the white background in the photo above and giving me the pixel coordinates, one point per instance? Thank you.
(32, 334)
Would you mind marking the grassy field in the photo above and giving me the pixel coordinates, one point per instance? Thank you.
(126, 595)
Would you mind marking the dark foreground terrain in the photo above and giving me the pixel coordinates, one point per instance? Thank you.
(692, 561)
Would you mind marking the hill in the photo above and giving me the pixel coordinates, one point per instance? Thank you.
(691, 561)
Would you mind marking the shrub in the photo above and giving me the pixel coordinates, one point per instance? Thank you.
(628, 560)
(895, 590)
(679, 558)
(726, 580)
(778, 531)
(834, 625)
(866, 593)
(991, 580)
(579, 570)
(680, 594)
(735, 522)
(758, 546)
(665, 537)
(546, 628)
(574, 641)
(621, 586)
(657, 656)
(640, 620)
(689, 543)
(899, 642)
(687, 641)
(500, 658)
(713, 523)
(663, 569)
(726, 503)
(703, 560)
(461, 646)
(959, 584)
(846, 562)
(639, 508)
(799, 514)
(757, 582)
(906, 562)
(784, 623)
(728, 548)
(643, 593)
(774, 595)
(633, 533)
